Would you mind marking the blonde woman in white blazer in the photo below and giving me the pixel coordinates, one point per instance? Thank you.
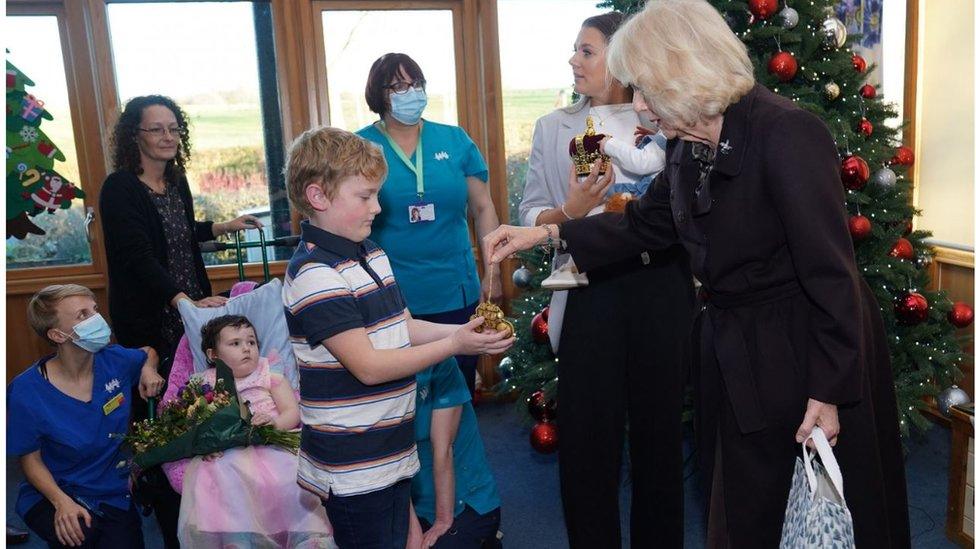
(624, 368)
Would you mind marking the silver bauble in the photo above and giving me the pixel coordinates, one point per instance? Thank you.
(522, 277)
(953, 396)
(506, 368)
(789, 17)
(831, 91)
(885, 178)
(834, 33)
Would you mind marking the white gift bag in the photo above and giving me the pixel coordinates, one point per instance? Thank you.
(816, 514)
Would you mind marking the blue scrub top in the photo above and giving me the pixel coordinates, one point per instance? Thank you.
(433, 261)
(443, 386)
(73, 436)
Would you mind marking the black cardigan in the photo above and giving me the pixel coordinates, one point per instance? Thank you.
(138, 268)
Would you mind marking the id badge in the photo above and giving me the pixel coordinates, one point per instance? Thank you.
(113, 403)
(421, 212)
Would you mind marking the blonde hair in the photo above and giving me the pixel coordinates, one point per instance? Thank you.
(327, 156)
(42, 310)
(683, 58)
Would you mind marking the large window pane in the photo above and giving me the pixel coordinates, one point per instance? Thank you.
(34, 44)
(204, 56)
(534, 83)
(354, 39)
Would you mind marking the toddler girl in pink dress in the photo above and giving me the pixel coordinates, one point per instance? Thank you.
(248, 497)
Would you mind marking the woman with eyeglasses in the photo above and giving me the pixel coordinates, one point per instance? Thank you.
(152, 239)
(437, 172)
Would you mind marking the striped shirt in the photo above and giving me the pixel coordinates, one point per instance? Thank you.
(356, 438)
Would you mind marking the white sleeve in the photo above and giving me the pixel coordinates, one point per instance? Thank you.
(649, 160)
(536, 197)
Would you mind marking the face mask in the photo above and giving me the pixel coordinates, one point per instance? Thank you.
(407, 107)
(93, 333)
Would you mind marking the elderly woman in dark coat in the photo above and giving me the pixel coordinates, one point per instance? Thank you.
(790, 335)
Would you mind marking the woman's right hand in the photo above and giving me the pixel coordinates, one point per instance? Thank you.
(489, 342)
(589, 193)
(507, 239)
(67, 522)
(211, 301)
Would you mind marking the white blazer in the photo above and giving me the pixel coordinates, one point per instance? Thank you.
(546, 180)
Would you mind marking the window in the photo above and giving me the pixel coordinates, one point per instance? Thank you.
(533, 85)
(354, 39)
(216, 60)
(34, 44)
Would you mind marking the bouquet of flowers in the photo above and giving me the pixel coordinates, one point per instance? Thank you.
(202, 420)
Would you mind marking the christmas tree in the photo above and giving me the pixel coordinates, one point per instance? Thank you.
(33, 186)
(802, 51)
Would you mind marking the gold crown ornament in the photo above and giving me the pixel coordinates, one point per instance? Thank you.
(493, 315)
(584, 149)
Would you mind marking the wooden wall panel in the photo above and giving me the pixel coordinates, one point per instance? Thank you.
(23, 345)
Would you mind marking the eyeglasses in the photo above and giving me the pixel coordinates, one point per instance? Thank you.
(178, 131)
(402, 87)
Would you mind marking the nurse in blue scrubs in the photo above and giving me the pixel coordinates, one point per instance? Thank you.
(436, 177)
(64, 415)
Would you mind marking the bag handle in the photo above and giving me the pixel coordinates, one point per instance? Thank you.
(826, 454)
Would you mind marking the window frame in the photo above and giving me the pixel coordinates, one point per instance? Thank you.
(76, 57)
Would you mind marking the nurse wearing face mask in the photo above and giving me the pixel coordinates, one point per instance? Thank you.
(62, 417)
(436, 176)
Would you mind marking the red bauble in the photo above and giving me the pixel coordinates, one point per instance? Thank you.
(860, 227)
(860, 65)
(545, 437)
(540, 326)
(902, 249)
(868, 91)
(762, 9)
(854, 172)
(783, 65)
(912, 308)
(961, 314)
(904, 156)
(539, 408)
(865, 127)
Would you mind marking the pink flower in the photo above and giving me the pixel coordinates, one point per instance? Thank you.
(209, 396)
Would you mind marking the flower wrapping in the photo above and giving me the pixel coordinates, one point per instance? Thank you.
(201, 421)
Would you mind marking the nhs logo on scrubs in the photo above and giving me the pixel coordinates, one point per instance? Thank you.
(441, 155)
(112, 385)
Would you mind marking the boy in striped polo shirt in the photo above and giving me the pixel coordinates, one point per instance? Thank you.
(357, 346)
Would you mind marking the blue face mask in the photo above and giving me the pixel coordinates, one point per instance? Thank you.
(92, 334)
(407, 107)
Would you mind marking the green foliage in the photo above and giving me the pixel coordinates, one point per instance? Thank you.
(225, 182)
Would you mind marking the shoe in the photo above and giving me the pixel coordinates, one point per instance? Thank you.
(16, 536)
(565, 276)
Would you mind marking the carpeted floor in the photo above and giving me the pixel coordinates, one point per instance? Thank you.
(529, 487)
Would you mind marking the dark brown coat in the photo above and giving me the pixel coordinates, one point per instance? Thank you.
(787, 316)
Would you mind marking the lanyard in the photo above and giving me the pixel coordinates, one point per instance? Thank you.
(417, 169)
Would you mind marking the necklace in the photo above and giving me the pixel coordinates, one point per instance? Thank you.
(602, 119)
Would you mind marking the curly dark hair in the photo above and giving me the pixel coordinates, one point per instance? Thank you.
(125, 146)
(210, 333)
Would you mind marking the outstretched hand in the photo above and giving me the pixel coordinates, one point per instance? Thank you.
(489, 342)
(506, 240)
